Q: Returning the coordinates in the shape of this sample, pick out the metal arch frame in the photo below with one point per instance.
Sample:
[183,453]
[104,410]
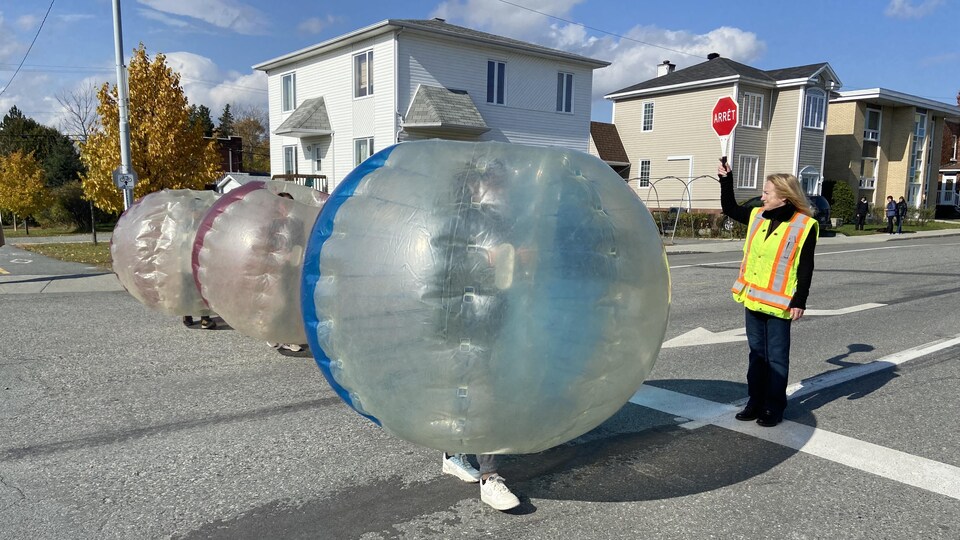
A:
[685,195]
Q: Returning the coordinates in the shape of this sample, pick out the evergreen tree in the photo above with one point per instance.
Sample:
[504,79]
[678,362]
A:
[200,115]
[54,151]
[225,122]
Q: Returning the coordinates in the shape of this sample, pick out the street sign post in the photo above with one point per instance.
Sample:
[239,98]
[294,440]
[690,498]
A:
[724,117]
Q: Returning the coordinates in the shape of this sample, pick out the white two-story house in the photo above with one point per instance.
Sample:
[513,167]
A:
[334,104]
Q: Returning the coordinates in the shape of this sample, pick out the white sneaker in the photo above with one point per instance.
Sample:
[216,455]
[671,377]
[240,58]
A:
[495,492]
[292,347]
[458,466]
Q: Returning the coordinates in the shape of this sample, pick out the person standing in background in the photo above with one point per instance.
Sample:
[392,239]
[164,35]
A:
[901,214]
[863,207]
[891,213]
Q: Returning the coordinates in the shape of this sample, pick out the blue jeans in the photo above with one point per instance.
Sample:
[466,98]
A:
[487,462]
[769,341]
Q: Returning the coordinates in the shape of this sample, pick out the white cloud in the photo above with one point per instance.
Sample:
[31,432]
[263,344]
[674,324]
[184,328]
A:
[905,9]
[228,14]
[205,84]
[634,55]
[163,18]
[28,23]
[315,25]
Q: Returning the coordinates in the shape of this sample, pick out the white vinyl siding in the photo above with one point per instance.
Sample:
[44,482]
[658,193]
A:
[751,107]
[747,172]
[363,74]
[647,124]
[814,109]
[564,92]
[288,96]
[529,116]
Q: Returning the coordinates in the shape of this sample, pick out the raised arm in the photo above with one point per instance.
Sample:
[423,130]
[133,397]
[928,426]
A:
[728,203]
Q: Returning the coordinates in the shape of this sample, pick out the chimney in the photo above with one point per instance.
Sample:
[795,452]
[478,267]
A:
[713,55]
[665,68]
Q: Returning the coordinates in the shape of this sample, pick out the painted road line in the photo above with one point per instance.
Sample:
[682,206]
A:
[885,462]
[840,376]
[2,271]
[841,311]
[702,336]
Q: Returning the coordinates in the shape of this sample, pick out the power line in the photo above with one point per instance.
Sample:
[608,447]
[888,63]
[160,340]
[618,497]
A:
[28,48]
[600,30]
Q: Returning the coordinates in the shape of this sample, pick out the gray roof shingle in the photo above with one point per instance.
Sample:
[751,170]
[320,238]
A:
[438,107]
[723,68]
[310,118]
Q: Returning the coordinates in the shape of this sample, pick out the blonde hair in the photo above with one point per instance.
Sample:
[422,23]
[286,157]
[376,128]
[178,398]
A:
[788,187]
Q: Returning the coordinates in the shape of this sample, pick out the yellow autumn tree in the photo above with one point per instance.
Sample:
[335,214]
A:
[166,151]
[22,189]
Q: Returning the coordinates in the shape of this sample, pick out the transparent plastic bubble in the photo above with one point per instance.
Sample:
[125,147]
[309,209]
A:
[485,297]
[248,255]
[151,249]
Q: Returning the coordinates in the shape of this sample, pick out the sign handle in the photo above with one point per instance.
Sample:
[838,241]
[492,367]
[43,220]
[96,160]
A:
[724,140]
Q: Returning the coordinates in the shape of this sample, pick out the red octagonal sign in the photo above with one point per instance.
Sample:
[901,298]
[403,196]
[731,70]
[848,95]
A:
[725,116]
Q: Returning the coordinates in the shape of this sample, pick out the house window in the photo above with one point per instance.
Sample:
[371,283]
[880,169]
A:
[871,125]
[747,172]
[317,160]
[751,106]
[643,180]
[954,156]
[363,74]
[647,116]
[868,173]
[916,147]
[288,92]
[564,92]
[815,108]
[290,159]
[362,149]
[496,72]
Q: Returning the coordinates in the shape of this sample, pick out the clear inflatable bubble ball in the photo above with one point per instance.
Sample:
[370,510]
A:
[151,249]
[248,255]
[485,297]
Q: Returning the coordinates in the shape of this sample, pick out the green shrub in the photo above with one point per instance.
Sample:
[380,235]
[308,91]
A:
[843,203]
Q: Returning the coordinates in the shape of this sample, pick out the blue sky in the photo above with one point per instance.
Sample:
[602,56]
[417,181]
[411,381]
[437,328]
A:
[901,45]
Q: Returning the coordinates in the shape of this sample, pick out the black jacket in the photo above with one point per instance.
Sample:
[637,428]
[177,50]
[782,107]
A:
[863,207]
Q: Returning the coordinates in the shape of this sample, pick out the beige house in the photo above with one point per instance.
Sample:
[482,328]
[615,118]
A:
[665,125]
[887,143]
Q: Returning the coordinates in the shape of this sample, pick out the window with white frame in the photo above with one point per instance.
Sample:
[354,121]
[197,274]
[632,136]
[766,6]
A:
[814,109]
[747,171]
[916,147]
[496,75]
[647,116]
[317,159]
[751,107]
[953,157]
[643,181]
[868,173]
[363,74]
[564,92]
[290,159]
[871,125]
[288,92]
[362,149]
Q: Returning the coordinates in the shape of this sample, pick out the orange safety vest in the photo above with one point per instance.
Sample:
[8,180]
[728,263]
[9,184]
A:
[768,273]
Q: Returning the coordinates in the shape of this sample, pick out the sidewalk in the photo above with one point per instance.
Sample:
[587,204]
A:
[693,245]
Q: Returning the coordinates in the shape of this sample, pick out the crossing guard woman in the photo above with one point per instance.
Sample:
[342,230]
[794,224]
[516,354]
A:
[773,284]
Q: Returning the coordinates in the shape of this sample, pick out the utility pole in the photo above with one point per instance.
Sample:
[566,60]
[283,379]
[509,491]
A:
[124,177]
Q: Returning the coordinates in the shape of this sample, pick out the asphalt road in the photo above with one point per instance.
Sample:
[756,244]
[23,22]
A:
[118,422]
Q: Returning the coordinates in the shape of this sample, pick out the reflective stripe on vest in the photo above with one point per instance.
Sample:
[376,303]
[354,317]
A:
[771,290]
